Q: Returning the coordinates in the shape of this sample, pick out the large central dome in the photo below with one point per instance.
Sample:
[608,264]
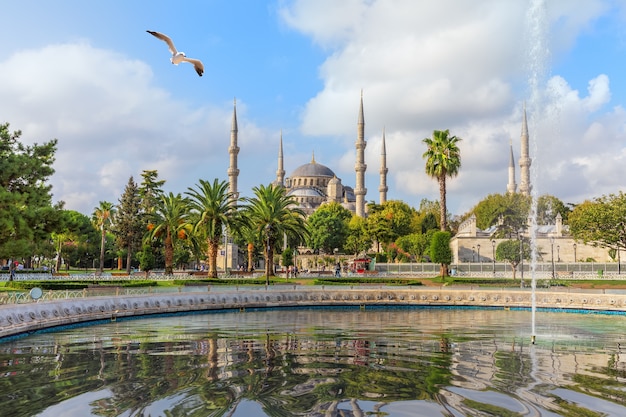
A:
[312,169]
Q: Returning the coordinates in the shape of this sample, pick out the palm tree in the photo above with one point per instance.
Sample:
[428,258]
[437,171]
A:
[213,208]
[272,214]
[443,159]
[102,219]
[168,222]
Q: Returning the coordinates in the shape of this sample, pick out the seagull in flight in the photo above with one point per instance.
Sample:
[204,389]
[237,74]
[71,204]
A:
[178,57]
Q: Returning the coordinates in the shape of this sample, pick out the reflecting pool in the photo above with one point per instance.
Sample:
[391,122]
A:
[322,362]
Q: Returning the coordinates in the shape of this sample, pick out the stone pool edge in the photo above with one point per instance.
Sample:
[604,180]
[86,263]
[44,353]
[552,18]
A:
[18,319]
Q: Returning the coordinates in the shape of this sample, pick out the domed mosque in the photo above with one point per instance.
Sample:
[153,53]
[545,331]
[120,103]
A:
[313,184]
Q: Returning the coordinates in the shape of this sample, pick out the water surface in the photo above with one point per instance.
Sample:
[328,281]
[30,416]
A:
[322,362]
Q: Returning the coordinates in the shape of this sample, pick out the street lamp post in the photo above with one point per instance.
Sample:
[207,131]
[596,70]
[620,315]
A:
[558,253]
[479,260]
[473,252]
[521,257]
[493,254]
[574,253]
[552,252]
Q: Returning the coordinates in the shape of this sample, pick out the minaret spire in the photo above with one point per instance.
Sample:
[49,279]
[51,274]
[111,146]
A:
[360,191]
[382,189]
[524,161]
[233,151]
[511,187]
[280,172]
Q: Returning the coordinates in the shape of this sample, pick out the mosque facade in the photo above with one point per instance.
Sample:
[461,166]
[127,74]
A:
[314,184]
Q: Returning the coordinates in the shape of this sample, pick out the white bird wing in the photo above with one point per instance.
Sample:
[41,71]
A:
[197,64]
[165,39]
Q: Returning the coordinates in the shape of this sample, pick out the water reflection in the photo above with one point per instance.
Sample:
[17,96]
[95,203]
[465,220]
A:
[341,362]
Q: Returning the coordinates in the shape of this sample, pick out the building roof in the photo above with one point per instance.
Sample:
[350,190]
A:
[305,192]
[312,169]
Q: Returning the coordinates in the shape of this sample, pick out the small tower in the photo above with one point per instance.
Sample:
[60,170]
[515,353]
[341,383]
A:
[360,191]
[524,160]
[334,190]
[233,151]
[280,172]
[382,189]
[511,187]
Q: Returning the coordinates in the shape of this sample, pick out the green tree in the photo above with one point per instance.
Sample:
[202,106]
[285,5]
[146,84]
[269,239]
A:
[213,210]
[76,242]
[169,223]
[273,214]
[548,207]
[426,217]
[147,261]
[245,236]
[102,219]
[27,216]
[509,212]
[440,251]
[150,191]
[379,225]
[511,252]
[400,216]
[358,239]
[328,227]
[415,244]
[287,257]
[443,159]
[600,222]
[129,225]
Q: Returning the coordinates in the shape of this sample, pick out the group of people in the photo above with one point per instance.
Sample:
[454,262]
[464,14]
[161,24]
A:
[292,271]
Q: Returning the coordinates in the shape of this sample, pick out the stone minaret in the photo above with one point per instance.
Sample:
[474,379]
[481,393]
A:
[280,172]
[511,187]
[382,188]
[233,151]
[524,160]
[360,166]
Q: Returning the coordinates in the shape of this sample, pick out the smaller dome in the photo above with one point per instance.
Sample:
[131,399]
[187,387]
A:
[305,192]
[334,181]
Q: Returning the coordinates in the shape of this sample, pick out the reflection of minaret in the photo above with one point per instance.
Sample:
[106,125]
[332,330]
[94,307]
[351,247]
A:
[360,166]
[511,187]
[233,151]
[524,160]
[382,189]
[280,172]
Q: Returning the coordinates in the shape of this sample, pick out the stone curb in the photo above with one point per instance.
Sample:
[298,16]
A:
[17,319]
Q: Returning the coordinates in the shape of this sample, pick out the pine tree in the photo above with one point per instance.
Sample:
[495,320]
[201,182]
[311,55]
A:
[150,192]
[129,226]
[27,216]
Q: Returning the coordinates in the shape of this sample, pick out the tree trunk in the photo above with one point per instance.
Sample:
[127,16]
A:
[169,253]
[269,263]
[213,245]
[250,256]
[128,258]
[442,203]
[442,213]
[102,242]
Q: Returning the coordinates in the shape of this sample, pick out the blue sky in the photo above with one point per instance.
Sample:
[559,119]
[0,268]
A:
[88,74]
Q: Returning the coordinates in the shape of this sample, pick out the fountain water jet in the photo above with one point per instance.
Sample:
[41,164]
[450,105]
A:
[537,56]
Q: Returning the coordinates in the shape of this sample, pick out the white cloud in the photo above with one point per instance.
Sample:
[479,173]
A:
[111,123]
[458,65]
[450,64]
